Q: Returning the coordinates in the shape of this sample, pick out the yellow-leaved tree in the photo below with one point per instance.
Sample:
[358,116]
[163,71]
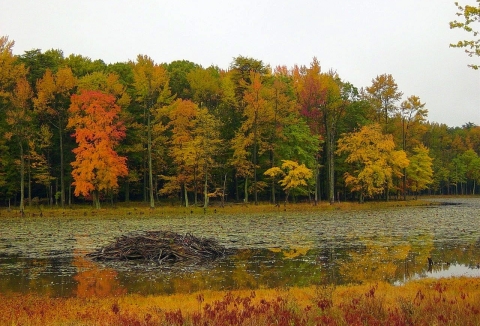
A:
[19,117]
[294,176]
[375,162]
[419,171]
[52,102]
[151,87]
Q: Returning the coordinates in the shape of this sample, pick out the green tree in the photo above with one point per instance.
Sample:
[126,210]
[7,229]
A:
[82,66]
[178,71]
[37,63]
[10,73]
[205,86]
[290,137]
[458,174]
[471,15]
[471,161]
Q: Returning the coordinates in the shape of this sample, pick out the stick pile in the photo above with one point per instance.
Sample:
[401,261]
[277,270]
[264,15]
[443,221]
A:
[160,246]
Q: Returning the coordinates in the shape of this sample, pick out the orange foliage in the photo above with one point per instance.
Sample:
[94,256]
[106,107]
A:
[97,132]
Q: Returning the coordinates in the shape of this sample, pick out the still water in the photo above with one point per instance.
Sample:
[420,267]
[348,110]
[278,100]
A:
[272,249]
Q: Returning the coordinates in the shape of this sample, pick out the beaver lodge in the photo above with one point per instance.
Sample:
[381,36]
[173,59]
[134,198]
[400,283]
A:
[161,247]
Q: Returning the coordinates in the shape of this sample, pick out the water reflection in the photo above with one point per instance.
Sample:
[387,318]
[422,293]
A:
[95,281]
[376,259]
[52,277]
[46,256]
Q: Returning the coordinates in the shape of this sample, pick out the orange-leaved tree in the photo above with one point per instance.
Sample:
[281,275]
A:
[97,166]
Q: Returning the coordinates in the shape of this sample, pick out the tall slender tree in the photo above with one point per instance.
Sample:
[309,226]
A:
[322,103]
[19,118]
[383,95]
[411,111]
[152,92]
[52,101]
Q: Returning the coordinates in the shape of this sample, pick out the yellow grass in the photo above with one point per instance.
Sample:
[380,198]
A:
[425,302]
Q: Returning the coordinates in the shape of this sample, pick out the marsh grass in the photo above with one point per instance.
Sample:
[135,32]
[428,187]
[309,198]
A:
[165,209]
[426,302]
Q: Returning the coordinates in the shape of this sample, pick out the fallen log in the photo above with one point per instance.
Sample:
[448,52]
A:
[160,247]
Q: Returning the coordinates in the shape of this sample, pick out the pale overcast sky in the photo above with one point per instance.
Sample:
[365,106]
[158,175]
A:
[359,39]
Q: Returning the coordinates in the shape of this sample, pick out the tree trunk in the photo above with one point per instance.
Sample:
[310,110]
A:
[62,163]
[223,191]
[329,123]
[245,200]
[255,192]
[195,194]
[330,164]
[404,169]
[185,193]
[22,179]
[29,182]
[237,192]
[255,158]
[96,199]
[127,191]
[150,168]
[316,183]
[274,200]
[69,194]
[205,189]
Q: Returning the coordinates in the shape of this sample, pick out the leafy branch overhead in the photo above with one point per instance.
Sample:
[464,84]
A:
[470,23]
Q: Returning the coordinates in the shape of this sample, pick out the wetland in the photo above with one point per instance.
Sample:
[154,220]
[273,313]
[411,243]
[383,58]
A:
[272,249]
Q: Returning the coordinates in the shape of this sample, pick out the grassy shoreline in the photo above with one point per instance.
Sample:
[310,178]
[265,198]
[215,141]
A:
[142,209]
[454,301]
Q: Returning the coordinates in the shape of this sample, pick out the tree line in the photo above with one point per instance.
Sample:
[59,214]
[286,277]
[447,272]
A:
[76,130]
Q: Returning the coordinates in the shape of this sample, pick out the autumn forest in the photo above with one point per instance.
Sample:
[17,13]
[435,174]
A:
[77,130]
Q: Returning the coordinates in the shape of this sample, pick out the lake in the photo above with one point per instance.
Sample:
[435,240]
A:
[272,249]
